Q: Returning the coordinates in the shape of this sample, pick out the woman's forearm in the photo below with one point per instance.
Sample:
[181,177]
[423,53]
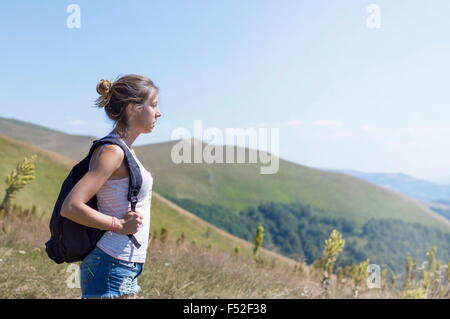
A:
[85,215]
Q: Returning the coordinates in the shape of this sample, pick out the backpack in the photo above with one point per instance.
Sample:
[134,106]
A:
[70,241]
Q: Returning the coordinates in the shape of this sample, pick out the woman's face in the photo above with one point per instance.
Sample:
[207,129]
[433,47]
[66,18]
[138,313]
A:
[145,115]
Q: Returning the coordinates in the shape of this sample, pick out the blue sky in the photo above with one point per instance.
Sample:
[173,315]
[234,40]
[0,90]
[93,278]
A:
[343,95]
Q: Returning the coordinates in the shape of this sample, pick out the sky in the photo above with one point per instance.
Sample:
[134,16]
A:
[352,84]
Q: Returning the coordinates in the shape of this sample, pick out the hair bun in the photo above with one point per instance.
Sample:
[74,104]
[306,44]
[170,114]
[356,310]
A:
[104,87]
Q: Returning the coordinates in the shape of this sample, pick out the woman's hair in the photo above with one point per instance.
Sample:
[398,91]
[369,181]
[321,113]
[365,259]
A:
[115,96]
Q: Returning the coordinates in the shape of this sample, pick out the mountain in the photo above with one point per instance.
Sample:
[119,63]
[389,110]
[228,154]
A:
[441,180]
[298,205]
[417,188]
[46,138]
[238,186]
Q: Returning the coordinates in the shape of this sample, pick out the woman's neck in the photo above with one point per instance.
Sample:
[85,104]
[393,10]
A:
[129,140]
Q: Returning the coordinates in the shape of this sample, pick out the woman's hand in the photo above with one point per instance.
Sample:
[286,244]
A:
[130,223]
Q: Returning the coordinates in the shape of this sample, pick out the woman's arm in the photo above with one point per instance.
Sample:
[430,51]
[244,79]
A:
[74,206]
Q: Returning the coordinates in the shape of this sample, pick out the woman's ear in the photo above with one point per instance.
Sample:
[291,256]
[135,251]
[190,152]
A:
[130,109]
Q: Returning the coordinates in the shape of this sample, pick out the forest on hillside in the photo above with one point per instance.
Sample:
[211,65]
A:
[298,231]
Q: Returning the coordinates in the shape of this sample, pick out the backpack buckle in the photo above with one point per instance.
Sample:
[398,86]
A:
[134,193]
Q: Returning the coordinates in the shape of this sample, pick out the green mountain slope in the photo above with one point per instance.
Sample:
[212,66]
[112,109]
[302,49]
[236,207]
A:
[239,186]
[46,138]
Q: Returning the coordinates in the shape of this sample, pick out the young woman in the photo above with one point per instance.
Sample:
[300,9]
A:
[112,268]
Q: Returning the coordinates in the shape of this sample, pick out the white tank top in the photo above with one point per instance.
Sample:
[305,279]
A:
[112,200]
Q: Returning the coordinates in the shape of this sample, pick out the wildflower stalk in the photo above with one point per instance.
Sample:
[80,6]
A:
[258,240]
[333,246]
[358,274]
[22,175]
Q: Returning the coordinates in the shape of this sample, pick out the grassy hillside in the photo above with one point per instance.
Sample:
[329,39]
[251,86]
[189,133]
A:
[171,271]
[51,169]
[185,270]
[231,186]
[239,186]
[46,138]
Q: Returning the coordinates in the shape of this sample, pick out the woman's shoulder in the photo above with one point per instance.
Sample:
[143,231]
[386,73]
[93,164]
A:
[109,149]
[107,155]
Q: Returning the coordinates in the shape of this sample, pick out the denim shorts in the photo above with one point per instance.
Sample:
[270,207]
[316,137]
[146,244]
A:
[103,276]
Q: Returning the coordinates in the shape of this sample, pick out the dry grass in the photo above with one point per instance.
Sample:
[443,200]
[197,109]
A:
[172,271]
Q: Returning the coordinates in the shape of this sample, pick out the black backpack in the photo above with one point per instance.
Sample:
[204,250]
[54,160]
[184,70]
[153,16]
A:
[70,241]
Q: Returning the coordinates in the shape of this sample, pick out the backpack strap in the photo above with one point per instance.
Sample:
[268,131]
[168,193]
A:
[134,171]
